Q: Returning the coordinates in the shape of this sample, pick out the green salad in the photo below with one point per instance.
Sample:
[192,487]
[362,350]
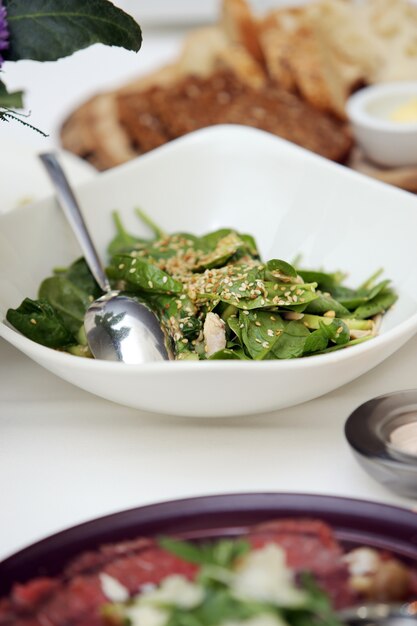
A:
[233,586]
[214,296]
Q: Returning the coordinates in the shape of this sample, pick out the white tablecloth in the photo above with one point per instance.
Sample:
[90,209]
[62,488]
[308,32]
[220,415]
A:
[67,456]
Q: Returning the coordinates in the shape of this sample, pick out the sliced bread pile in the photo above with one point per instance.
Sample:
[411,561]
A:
[289,73]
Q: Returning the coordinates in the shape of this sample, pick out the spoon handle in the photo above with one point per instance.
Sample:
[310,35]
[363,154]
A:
[72,212]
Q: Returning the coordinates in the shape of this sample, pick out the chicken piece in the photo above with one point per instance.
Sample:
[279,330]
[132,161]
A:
[214,334]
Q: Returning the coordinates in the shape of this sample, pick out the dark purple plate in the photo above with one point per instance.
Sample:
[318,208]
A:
[355,522]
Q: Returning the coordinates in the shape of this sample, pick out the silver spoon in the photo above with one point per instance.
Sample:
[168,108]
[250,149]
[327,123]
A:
[118,327]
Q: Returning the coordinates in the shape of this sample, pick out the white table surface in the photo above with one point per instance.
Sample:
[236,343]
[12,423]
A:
[67,456]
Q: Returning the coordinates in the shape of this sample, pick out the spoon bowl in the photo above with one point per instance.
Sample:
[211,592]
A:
[118,327]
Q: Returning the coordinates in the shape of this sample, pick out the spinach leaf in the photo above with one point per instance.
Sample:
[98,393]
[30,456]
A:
[335,331]
[260,331]
[67,299]
[325,281]
[156,230]
[123,241]
[142,275]
[229,354]
[379,304]
[290,344]
[79,274]
[324,303]
[267,336]
[38,320]
[279,269]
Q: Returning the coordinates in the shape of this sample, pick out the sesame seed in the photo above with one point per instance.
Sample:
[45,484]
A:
[150,283]
[121,266]
[33,321]
[270,332]
[258,324]
[330,314]
[258,340]
[272,317]
[265,344]
[165,279]
[132,270]
[245,312]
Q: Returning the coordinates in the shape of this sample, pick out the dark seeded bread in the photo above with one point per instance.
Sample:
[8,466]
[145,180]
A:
[160,114]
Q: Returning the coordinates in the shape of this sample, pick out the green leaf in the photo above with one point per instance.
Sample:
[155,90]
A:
[141,275]
[10,100]
[290,344]
[324,303]
[379,304]
[46,30]
[79,274]
[228,354]
[123,241]
[156,230]
[279,268]
[324,280]
[38,320]
[261,330]
[67,299]
[222,553]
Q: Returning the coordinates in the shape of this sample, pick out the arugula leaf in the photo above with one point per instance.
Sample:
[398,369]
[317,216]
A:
[222,553]
[46,30]
[38,320]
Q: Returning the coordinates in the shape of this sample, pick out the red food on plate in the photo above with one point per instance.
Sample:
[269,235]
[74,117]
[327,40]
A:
[77,596]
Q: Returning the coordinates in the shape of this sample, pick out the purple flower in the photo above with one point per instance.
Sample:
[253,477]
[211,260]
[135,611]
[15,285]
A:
[4,31]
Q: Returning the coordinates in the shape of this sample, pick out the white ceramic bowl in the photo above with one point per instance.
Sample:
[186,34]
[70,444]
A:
[386,142]
[290,199]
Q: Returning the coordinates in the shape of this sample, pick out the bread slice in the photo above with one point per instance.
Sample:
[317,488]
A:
[276,36]
[197,102]
[94,133]
[241,27]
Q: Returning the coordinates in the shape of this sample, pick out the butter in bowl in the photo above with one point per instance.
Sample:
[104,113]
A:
[384,122]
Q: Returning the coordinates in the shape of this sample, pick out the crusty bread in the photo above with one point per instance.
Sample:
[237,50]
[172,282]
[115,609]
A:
[93,132]
[197,102]
[289,73]
[315,73]
[276,36]
[241,27]
[302,55]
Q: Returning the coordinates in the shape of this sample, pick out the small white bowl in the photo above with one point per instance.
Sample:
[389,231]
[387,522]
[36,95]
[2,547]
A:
[386,142]
[291,200]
